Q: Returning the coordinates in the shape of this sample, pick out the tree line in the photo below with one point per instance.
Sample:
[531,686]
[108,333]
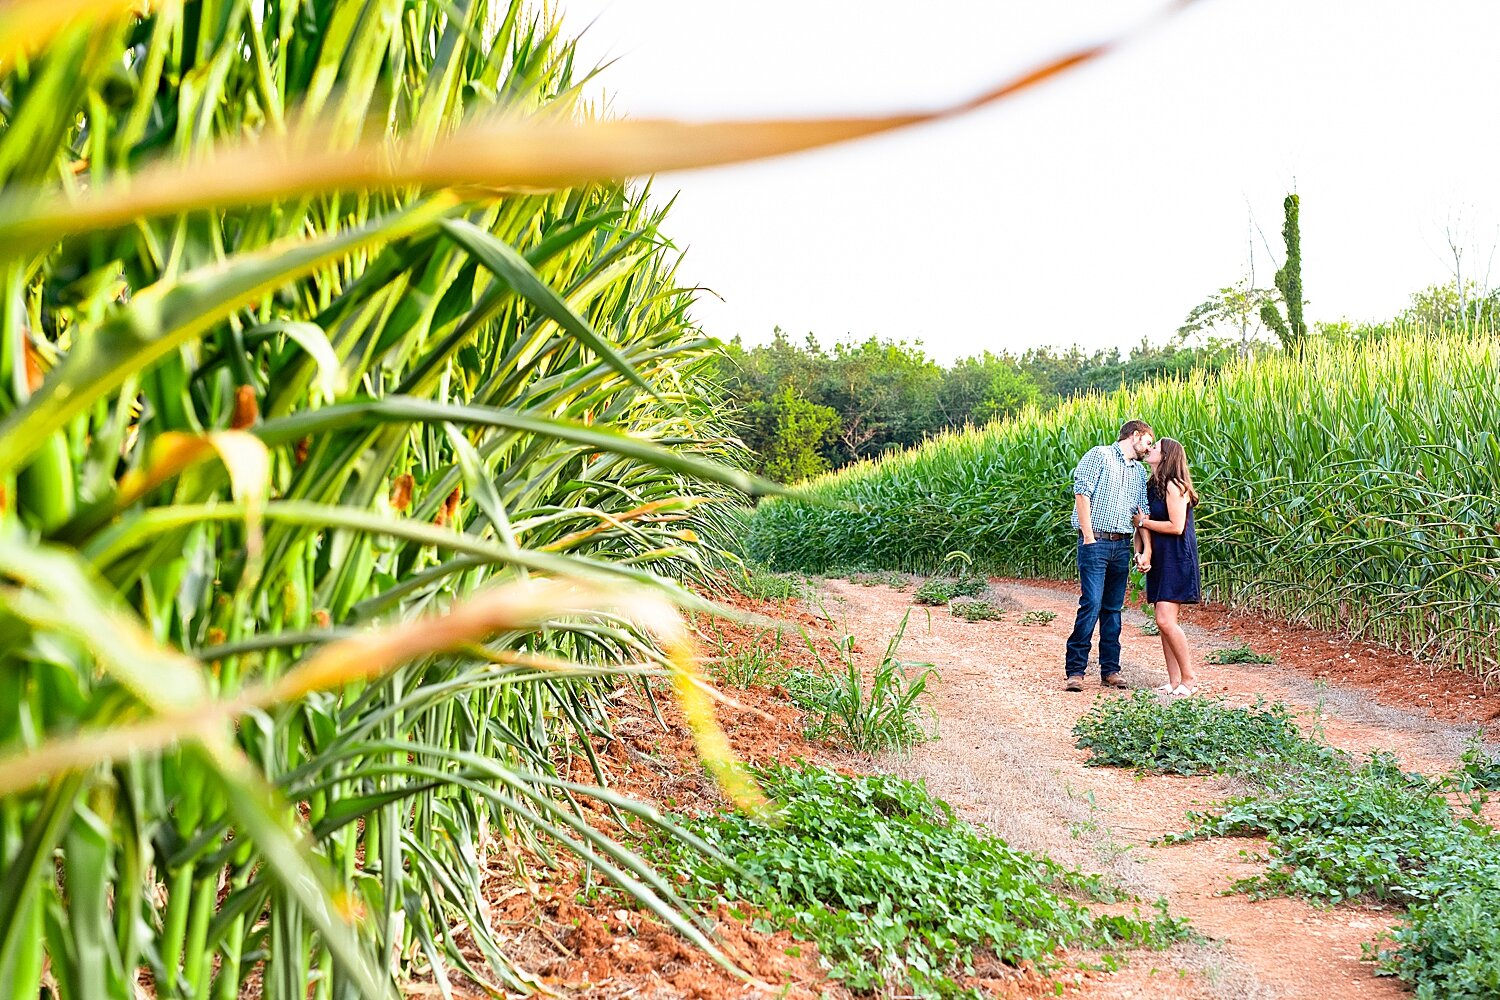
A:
[805,408]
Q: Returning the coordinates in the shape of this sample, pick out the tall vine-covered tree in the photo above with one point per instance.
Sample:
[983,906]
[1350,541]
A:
[1291,330]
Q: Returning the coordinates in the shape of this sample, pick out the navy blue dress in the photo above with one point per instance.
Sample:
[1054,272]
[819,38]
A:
[1174,572]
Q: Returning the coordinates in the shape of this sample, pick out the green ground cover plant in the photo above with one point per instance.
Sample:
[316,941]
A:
[974,609]
[1351,487]
[1479,767]
[1038,617]
[1187,735]
[899,895]
[1237,654]
[1338,828]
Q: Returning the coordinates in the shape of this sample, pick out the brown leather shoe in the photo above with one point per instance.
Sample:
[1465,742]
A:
[1074,684]
[1113,681]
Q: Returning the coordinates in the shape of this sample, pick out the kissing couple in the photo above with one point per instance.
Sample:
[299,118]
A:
[1124,513]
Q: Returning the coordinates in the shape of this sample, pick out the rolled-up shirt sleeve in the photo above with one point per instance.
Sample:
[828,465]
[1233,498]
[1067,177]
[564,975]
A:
[1142,501]
[1086,476]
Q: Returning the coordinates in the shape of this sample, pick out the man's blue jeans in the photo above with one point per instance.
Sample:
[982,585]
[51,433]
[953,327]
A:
[1103,572]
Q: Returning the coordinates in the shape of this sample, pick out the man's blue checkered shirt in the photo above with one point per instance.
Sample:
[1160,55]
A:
[1115,486]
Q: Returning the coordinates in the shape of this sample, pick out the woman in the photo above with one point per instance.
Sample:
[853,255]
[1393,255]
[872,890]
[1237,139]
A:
[1171,555]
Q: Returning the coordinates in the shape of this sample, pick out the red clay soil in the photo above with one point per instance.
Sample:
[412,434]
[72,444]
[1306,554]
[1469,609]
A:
[596,944]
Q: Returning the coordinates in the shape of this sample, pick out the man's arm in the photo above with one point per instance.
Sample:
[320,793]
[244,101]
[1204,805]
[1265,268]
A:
[1085,481]
[1085,523]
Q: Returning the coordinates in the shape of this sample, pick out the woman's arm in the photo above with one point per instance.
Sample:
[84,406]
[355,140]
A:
[1143,550]
[1177,505]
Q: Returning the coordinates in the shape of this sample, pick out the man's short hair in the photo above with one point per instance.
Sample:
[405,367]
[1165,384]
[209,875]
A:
[1133,427]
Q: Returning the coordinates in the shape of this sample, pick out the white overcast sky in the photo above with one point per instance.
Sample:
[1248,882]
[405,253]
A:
[1096,209]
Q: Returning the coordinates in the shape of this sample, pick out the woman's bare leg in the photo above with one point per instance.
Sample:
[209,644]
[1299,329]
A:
[1172,635]
[1168,651]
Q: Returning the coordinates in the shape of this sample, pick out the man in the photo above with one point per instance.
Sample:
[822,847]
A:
[1109,486]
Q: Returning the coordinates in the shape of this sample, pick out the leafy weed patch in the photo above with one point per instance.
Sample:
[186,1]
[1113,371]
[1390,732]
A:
[1186,735]
[882,578]
[898,894]
[1038,618]
[973,609]
[1338,828]
[1238,654]
[942,589]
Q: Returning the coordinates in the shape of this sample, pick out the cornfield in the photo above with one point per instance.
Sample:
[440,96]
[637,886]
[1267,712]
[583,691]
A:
[328,514]
[1357,489]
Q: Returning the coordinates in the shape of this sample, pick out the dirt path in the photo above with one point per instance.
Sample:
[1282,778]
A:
[1005,757]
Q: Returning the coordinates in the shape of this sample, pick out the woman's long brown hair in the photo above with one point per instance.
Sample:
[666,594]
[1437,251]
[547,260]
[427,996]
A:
[1173,468]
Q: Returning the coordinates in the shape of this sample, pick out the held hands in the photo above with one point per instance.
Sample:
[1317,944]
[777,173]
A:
[1143,562]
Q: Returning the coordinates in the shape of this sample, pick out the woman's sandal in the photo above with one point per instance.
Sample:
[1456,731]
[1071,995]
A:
[1164,689]
[1183,691]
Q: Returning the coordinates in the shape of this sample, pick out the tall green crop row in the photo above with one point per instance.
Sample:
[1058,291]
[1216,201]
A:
[1354,488]
[245,449]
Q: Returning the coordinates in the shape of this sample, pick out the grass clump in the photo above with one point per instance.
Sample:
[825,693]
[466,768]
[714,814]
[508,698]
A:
[899,895]
[763,586]
[1186,735]
[973,609]
[869,718]
[749,665]
[1237,654]
[1038,618]
[1338,828]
